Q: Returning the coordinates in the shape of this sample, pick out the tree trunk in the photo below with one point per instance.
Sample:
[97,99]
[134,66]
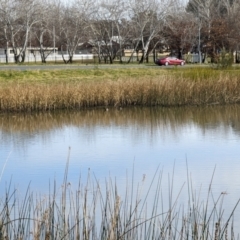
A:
[6,53]
[133,52]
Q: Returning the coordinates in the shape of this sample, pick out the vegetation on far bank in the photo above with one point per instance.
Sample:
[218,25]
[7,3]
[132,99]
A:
[43,90]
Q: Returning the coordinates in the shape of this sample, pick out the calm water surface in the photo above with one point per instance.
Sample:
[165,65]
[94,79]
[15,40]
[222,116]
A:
[114,144]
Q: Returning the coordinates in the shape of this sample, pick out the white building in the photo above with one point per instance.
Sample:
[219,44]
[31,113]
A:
[33,55]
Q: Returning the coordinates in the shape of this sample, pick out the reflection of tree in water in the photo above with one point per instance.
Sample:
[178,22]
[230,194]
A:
[147,118]
[235,124]
[219,116]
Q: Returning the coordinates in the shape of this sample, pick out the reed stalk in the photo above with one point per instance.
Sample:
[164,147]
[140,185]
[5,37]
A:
[92,212]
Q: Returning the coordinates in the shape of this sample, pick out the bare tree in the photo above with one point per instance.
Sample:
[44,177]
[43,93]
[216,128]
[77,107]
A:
[71,26]
[108,28]
[215,17]
[120,32]
[42,34]
[230,13]
[102,40]
[147,19]
[19,17]
[181,32]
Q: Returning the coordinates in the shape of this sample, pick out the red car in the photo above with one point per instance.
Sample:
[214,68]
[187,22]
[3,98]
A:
[170,61]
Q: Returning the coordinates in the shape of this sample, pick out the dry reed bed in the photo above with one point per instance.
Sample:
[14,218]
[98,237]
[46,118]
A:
[166,90]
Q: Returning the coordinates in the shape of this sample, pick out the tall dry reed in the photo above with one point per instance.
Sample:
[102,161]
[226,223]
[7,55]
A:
[165,90]
[93,212]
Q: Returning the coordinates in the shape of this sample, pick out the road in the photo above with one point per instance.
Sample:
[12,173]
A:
[81,66]
[70,66]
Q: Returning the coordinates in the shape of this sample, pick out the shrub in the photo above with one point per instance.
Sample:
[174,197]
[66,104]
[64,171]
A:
[223,60]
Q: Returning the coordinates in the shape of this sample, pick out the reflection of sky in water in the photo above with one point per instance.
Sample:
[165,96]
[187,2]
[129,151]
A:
[113,149]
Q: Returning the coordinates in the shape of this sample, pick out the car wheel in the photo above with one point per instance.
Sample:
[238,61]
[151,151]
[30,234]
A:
[182,63]
[166,63]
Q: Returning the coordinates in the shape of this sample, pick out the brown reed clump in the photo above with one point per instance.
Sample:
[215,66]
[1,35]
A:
[162,90]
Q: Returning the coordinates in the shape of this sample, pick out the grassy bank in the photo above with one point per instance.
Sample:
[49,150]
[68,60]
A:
[76,89]
[93,211]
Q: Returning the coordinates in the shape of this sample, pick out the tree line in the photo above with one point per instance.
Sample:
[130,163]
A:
[110,26]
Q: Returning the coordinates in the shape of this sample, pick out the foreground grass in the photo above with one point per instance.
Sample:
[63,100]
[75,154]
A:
[76,89]
[91,212]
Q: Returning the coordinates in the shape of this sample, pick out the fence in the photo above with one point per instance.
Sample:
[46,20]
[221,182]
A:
[191,58]
[51,58]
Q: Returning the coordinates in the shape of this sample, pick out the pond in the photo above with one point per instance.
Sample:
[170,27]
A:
[192,147]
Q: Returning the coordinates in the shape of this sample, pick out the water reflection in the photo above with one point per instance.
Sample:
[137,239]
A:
[148,119]
[35,146]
